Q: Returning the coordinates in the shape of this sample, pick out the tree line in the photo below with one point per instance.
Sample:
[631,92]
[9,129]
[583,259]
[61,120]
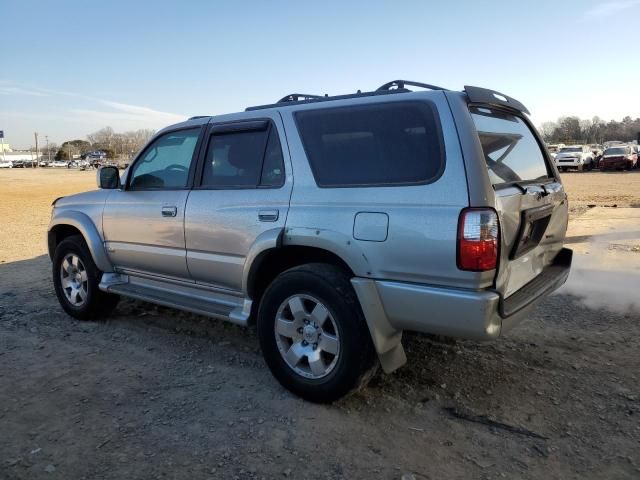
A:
[577,131]
[115,145]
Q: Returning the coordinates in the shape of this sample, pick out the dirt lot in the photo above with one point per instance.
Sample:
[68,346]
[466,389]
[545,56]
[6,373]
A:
[154,393]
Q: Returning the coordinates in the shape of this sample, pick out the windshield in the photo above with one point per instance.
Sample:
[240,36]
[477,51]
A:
[570,149]
[616,151]
[510,149]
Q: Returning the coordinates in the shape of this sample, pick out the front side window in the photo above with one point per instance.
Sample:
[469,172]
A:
[385,144]
[244,159]
[510,150]
[165,163]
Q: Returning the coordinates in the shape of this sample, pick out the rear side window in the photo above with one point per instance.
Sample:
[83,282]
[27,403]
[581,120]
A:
[510,149]
[373,145]
[245,159]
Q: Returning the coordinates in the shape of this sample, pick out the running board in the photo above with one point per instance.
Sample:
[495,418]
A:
[187,297]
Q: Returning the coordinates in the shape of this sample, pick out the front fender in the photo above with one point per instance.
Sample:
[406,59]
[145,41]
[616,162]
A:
[89,231]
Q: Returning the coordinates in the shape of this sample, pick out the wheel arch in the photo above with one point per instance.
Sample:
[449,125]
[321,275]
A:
[70,223]
[271,262]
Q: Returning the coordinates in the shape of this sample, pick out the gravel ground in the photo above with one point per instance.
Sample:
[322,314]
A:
[155,393]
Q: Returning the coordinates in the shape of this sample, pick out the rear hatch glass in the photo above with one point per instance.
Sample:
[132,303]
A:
[510,149]
[530,201]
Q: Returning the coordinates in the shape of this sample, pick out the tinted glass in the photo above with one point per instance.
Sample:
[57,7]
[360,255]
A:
[166,163]
[510,149]
[273,166]
[234,159]
[382,144]
[244,159]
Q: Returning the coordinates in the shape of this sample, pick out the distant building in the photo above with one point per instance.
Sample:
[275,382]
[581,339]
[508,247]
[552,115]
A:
[21,156]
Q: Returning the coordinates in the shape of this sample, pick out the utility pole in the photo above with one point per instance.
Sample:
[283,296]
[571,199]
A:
[4,159]
[35,134]
[48,151]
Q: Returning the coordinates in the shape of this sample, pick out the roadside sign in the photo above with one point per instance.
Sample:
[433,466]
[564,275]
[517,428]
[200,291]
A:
[1,133]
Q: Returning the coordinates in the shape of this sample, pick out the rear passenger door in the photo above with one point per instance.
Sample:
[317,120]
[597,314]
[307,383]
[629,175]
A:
[241,197]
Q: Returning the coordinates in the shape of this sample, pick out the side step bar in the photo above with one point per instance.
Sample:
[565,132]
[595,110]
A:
[188,297]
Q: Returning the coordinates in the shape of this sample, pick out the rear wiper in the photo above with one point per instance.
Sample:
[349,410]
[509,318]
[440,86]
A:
[514,183]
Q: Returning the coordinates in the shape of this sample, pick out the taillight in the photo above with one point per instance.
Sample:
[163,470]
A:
[478,239]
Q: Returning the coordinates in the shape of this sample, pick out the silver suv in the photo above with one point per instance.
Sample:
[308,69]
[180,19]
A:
[333,224]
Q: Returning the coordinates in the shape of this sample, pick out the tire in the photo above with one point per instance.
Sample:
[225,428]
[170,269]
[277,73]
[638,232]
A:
[590,166]
[78,292]
[333,376]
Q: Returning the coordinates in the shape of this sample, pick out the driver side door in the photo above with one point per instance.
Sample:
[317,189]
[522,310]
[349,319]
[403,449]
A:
[143,223]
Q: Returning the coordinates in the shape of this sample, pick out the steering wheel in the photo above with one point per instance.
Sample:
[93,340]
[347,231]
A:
[176,166]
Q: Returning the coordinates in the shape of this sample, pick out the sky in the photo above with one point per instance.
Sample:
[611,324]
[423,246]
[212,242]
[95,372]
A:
[68,68]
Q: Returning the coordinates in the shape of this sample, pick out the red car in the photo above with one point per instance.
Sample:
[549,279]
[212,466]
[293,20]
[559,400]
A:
[618,157]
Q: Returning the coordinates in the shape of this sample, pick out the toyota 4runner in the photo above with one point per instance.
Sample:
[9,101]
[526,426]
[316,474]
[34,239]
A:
[332,223]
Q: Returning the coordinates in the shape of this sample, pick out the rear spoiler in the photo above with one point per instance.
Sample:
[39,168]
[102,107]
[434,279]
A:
[493,98]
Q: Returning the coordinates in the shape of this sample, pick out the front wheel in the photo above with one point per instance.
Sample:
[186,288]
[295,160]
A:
[313,334]
[76,279]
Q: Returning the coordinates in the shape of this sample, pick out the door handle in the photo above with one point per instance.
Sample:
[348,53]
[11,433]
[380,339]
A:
[169,211]
[271,215]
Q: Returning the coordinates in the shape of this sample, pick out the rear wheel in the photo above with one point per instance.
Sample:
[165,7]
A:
[76,279]
[313,334]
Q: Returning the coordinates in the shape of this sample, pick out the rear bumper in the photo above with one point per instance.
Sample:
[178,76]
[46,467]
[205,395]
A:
[460,313]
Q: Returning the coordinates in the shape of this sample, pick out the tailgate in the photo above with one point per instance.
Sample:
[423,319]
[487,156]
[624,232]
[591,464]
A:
[529,197]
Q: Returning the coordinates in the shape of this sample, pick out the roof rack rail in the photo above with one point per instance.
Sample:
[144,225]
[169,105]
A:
[296,97]
[386,89]
[199,116]
[400,85]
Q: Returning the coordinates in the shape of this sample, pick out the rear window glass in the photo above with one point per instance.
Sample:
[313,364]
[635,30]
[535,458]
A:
[372,145]
[510,149]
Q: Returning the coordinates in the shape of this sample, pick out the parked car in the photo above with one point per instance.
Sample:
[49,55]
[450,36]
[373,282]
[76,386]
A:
[43,163]
[59,164]
[619,157]
[5,163]
[331,223]
[79,163]
[18,163]
[574,156]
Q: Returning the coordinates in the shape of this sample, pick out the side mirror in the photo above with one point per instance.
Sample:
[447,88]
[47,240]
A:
[108,178]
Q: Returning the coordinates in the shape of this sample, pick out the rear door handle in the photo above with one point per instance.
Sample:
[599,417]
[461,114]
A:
[169,211]
[270,215]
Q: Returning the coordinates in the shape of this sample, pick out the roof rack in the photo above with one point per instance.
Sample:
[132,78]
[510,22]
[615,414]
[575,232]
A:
[400,85]
[198,116]
[296,97]
[396,86]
